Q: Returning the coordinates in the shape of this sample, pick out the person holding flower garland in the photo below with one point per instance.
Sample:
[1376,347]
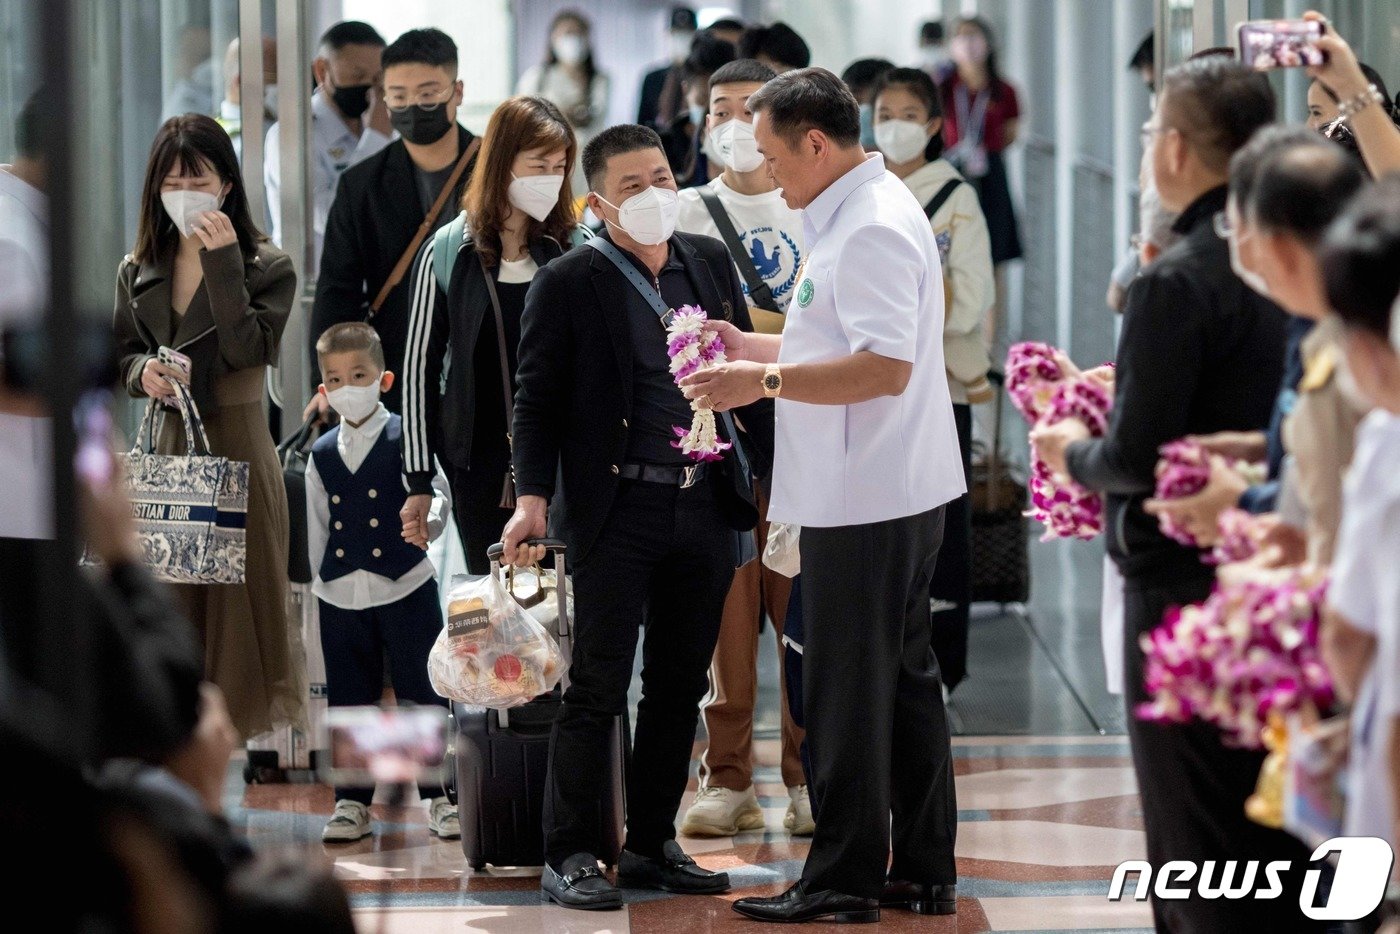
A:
[867,461]
[1200,352]
[650,528]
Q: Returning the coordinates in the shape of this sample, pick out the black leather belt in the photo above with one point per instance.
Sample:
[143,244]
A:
[683,477]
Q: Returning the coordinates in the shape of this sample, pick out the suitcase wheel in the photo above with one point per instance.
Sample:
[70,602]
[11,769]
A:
[478,865]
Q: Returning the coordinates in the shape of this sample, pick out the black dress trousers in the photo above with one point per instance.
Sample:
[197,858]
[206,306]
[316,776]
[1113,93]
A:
[877,732]
[1193,788]
[664,561]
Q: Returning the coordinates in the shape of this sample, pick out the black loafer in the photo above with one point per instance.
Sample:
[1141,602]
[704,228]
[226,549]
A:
[796,905]
[919,898]
[673,871]
[579,883]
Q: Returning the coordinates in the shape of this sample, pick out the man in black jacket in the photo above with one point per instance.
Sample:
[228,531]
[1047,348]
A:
[650,531]
[382,202]
[1200,352]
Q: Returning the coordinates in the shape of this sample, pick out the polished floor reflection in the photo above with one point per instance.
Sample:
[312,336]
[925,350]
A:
[1047,805]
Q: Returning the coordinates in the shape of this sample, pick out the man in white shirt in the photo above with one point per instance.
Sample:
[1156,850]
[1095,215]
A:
[866,457]
[25,464]
[764,236]
[349,123]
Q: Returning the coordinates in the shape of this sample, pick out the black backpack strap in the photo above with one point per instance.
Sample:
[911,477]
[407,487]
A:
[941,197]
[758,289]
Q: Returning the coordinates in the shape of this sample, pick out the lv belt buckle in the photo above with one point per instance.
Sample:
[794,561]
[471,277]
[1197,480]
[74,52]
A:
[688,476]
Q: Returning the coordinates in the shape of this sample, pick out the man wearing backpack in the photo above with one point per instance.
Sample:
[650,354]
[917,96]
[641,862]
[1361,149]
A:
[744,208]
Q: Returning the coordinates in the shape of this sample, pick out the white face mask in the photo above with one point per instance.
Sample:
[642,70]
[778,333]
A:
[711,150]
[184,207]
[270,100]
[901,140]
[1248,276]
[736,145]
[570,48]
[649,217]
[355,403]
[680,45]
[536,195]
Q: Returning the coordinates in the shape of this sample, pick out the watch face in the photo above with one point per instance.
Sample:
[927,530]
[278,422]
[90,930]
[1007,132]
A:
[772,381]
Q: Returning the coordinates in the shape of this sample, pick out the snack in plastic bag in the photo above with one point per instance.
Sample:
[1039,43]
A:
[492,652]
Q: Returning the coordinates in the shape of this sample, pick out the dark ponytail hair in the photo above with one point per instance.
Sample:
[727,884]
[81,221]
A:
[917,82]
[194,142]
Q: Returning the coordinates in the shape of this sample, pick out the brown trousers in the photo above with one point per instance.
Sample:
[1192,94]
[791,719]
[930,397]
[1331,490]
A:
[727,761]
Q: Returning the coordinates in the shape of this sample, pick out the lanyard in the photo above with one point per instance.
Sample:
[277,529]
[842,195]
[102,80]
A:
[653,298]
[971,118]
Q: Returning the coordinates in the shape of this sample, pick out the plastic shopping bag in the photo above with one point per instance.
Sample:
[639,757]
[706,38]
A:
[492,652]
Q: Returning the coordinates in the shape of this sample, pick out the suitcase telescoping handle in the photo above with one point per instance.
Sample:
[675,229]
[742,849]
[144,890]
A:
[557,548]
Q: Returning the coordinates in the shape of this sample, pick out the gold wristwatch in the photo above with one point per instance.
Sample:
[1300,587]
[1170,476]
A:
[773,381]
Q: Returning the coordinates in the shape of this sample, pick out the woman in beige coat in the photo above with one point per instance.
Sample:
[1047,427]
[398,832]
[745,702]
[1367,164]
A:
[204,282]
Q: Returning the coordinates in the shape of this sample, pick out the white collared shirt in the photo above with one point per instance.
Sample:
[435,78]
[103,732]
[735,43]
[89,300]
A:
[360,590]
[871,281]
[333,150]
[26,466]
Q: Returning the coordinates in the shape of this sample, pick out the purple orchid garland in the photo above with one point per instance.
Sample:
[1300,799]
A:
[1251,649]
[691,349]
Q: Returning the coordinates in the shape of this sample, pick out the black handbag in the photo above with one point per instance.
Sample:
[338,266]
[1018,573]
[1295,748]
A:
[1000,531]
[294,452]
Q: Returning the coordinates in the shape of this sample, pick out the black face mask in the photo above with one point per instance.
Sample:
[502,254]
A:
[421,127]
[352,101]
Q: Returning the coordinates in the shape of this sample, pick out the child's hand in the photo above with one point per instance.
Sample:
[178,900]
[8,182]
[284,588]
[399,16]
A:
[414,516]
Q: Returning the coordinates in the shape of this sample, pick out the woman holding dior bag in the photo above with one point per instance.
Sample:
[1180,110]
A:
[204,289]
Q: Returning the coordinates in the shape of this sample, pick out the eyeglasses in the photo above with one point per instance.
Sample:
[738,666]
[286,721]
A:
[1148,131]
[428,100]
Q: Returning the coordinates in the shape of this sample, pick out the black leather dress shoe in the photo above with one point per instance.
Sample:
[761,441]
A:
[673,871]
[579,883]
[923,899]
[798,905]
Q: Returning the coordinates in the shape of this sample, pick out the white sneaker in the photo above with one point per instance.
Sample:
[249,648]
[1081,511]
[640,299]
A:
[722,812]
[442,819]
[798,819]
[349,823]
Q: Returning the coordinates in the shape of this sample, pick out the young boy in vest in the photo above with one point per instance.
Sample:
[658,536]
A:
[374,583]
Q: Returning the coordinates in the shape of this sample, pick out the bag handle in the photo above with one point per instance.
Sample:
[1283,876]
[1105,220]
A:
[507,390]
[197,441]
[401,267]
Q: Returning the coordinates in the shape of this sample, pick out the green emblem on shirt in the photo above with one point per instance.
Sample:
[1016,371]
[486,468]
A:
[804,293]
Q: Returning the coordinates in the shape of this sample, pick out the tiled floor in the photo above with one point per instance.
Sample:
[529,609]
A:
[1045,788]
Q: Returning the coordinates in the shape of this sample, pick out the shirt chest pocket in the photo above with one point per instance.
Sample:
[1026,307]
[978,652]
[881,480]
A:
[814,285]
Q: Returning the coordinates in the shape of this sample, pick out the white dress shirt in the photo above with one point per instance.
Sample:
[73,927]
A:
[871,281]
[26,465]
[360,590]
[333,150]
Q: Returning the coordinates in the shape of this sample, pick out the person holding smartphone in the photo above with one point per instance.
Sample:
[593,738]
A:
[204,282]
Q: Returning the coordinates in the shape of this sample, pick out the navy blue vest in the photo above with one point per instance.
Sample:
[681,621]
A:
[365,528]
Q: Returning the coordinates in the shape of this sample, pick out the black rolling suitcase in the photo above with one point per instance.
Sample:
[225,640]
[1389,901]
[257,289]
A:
[502,757]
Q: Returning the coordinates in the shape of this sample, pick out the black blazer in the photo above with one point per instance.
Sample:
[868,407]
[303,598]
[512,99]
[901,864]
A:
[1200,352]
[574,400]
[440,422]
[234,321]
[372,219]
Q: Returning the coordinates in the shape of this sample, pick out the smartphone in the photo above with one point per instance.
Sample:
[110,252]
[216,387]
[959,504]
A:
[1266,44]
[174,359]
[397,745]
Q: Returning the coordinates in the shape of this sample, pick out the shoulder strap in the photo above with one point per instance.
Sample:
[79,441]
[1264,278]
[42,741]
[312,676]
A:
[658,305]
[941,197]
[447,242]
[401,267]
[508,392]
[758,289]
